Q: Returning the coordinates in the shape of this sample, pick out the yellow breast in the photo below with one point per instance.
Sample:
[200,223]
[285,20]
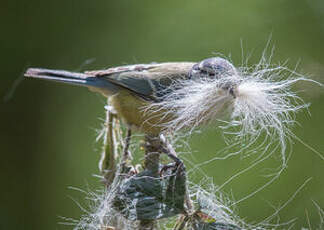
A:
[134,111]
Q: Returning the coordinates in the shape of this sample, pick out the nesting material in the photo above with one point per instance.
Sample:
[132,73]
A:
[249,104]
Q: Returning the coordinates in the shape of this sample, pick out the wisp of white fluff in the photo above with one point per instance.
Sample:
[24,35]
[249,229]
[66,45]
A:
[263,104]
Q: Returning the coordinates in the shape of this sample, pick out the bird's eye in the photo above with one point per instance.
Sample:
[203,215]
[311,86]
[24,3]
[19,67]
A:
[203,71]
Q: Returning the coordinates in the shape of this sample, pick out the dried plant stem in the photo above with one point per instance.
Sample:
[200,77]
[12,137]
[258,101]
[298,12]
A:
[189,203]
[152,154]
[126,152]
[107,162]
[151,163]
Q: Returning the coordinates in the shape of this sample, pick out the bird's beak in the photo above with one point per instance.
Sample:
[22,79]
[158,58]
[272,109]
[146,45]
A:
[232,91]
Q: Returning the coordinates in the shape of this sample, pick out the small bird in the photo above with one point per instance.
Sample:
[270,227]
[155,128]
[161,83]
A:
[163,98]
[132,88]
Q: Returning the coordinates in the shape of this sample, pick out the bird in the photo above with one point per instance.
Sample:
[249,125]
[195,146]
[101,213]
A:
[134,87]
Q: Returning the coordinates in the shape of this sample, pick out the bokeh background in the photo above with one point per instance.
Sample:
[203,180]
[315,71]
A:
[48,130]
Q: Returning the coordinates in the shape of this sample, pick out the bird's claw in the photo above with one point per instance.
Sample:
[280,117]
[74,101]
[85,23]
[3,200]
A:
[175,166]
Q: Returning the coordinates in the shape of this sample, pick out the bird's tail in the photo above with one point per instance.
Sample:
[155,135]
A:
[73,78]
[59,76]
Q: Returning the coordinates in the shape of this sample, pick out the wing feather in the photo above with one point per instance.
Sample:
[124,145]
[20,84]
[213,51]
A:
[148,81]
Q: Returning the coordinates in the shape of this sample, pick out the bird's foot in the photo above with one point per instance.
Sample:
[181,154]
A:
[173,167]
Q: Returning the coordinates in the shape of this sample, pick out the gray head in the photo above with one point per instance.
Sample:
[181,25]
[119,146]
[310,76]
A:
[214,67]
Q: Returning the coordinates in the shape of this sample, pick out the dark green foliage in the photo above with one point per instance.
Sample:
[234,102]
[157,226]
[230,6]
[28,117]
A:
[143,197]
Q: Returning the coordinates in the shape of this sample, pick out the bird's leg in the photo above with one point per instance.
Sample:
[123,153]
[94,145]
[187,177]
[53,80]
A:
[169,150]
[171,153]
[167,167]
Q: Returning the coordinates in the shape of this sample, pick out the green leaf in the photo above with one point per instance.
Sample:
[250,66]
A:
[144,197]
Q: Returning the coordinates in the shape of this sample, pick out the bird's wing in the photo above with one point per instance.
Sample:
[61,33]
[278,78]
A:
[149,81]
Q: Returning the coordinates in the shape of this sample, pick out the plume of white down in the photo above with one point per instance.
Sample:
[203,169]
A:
[263,105]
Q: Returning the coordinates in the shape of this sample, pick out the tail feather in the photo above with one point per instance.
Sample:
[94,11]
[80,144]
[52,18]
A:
[60,76]
[73,78]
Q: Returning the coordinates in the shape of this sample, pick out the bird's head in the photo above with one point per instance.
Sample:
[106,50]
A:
[216,68]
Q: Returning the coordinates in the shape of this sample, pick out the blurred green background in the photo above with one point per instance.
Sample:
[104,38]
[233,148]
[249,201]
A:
[48,130]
